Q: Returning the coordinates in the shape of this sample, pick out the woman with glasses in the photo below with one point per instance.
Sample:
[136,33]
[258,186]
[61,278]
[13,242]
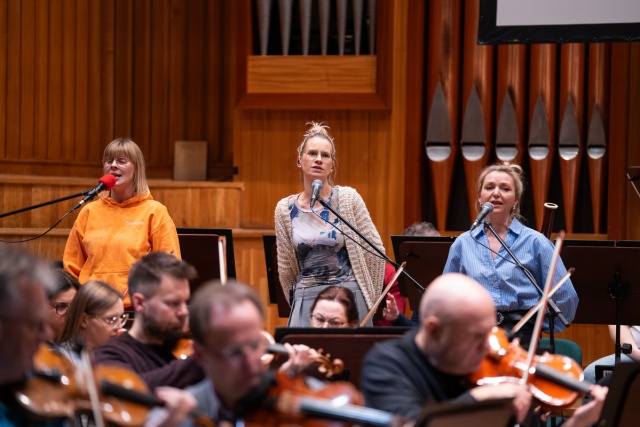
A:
[315,249]
[335,307]
[112,233]
[60,296]
[96,315]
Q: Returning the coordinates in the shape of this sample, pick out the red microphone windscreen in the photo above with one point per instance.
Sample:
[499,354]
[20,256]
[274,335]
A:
[108,180]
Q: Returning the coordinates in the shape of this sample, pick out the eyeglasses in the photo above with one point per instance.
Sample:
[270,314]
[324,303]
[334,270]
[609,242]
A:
[61,308]
[119,320]
[313,154]
[122,161]
[235,354]
[318,321]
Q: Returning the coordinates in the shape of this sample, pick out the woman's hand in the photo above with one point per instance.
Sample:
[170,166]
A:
[390,312]
[300,357]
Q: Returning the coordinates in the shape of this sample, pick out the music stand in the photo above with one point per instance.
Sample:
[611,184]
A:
[228,235]
[621,407]
[605,274]
[276,294]
[347,344]
[199,247]
[485,413]
[425,258]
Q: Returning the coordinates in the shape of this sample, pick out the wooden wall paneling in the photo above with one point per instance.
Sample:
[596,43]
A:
[27,79]
[389,133]
[542,121]
[251,270]
[477,75]
[217,78]
[41,101]
[123,67]
[81,90]
[107,65]
[196,77]
[4,59]
[160,72]
[176,71]
[618,135]
[14,80]
[141,75]
[510,81]
[443,68]
[90,147]
[597,108]
[571,102]
[69,45]
[415,170]
[54,84]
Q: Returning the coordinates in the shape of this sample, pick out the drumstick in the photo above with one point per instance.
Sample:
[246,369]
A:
[383,294]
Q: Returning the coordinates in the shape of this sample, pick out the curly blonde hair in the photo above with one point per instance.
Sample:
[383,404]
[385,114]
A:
[320,130]
[515,172]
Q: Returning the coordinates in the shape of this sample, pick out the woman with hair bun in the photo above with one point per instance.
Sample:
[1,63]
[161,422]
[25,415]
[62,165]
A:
[315,249]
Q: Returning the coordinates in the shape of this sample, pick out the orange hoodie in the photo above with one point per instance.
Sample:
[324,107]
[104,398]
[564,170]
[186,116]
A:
[108,237]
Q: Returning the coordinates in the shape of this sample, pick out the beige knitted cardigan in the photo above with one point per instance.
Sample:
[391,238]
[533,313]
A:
[368,268]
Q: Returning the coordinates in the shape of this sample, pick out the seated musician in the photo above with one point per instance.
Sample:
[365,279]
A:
[628,334]
[96,315]
[227,323]
[23,323]
[334,307]
[60,296]
[393,313]
[159,290]
[431,364]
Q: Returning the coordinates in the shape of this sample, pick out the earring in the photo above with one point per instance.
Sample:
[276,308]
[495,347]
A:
[298,162]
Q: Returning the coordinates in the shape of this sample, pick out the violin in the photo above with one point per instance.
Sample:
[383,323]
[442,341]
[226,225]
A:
[309,402]
[555,380]
[59,390]
[329,368]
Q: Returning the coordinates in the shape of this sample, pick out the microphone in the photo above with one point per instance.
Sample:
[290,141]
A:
[317,186]
[105,183]
[487,208]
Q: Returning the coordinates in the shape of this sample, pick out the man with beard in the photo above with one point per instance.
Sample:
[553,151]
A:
[159,290]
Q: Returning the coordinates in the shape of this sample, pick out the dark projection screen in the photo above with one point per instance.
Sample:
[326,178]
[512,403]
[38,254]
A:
[558,21]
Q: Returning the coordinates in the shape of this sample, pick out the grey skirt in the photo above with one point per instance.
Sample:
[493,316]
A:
[303,299]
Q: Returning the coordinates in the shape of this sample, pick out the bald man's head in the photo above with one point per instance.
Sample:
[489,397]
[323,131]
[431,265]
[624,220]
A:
[456,315]
[454,295]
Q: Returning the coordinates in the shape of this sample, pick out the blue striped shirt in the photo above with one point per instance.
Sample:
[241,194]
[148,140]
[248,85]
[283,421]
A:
[509,287]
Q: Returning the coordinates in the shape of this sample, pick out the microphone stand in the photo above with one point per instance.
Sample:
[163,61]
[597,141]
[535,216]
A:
[554,310]
[374,247]
[40,205]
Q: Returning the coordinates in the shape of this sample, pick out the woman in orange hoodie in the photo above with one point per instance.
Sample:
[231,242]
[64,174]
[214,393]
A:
[126,223]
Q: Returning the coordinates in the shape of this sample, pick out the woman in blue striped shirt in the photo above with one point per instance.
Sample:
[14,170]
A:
[479,254]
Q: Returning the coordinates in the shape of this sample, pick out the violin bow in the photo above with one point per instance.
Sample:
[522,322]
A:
[86,367]
[383,294]
[536,307]
[543,305]
[222,259]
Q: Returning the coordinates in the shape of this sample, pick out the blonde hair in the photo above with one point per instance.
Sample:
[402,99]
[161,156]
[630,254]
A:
[515,172]
[125,147]
[320,130]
